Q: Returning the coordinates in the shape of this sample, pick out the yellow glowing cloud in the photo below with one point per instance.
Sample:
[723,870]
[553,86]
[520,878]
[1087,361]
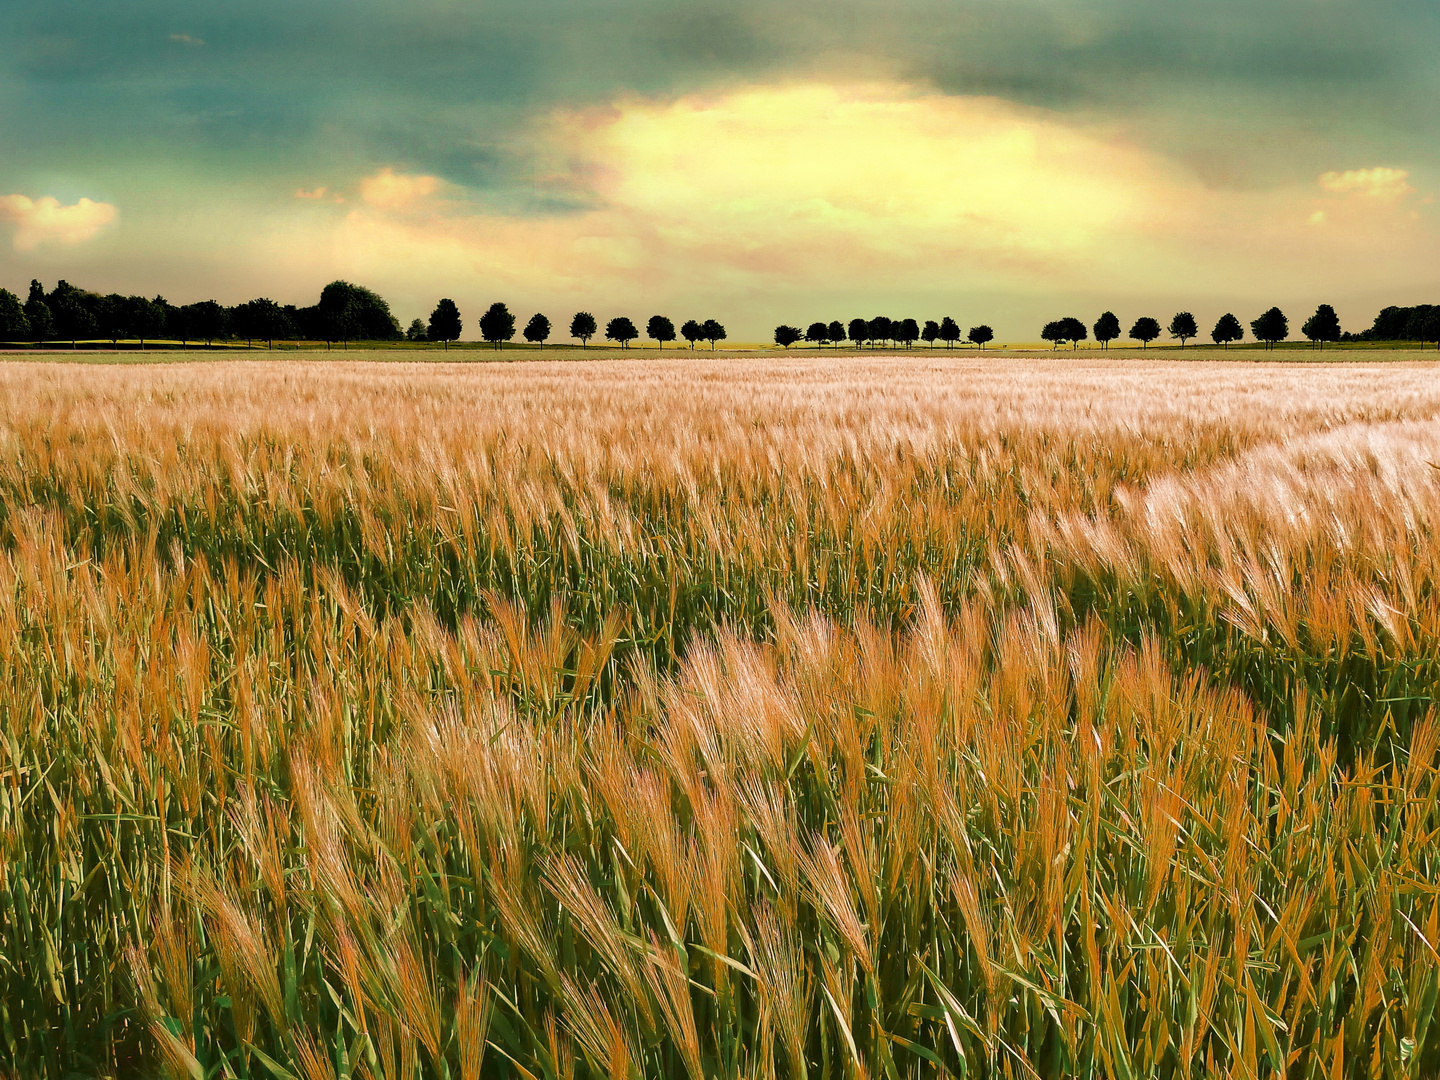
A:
[780,175]
[45,221]
[389,190]
[817,188]
[1380,182]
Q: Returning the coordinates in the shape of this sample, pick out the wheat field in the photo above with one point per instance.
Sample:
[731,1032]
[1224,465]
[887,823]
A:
[872,717]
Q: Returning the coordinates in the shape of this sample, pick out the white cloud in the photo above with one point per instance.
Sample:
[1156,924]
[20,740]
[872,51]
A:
[187,39]
[46,221]
[1379,182]
[389,190]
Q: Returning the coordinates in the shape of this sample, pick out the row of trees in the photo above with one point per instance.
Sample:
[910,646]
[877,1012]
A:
[874,332]
[1271,327]
[347,312]
[497,326]
[1419,323]
[344,313]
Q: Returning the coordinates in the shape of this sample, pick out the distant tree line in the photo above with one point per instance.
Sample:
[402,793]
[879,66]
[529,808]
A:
[497,326]
[344,313]
[1420,323]
[881,330]
[1270,328]
[347,312]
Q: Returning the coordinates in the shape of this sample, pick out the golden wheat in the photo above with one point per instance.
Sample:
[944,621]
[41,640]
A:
[746,719]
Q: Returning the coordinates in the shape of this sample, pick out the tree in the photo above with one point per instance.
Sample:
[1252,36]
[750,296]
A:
[622,330]
[1227,329]
[836,332]
[1183,326]
[692,332]
[817,332]
[38,314]
[348,311]
[949,331]
[1074,330]
[245,322]
[930,333]
[713,332]
[1271,327]
[144,318]
[268,320]
[445,323]
[1107,329]
[785,336]
[660,329]
[583,326]
[981,334]
[907,331]
[416,331]
[72,319]
[1323,326]
[537,330]
[859,332]
[1053,332]
[208,320]
[881,327]
[1430,330]
[497,325]
[107,312]
[1145,330]
[14,326]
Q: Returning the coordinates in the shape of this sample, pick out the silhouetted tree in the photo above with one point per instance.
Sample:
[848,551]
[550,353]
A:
[1184,327]
[14,326]
[583,326]
[906,331]
[692,332]
[1323,326]
[881,328]
[350,311]
[660,329]
[271,321]
[497,325]
[713,332]
[1053,332]
[107,312]
[208,321]
[1075,331]
[416,331]
[859,332]
[836,332]
[445,323]
[1227,329]
[38,314]
[144,319]
[73,319]
[537,330]
[622,330]
[1107,329]
[817,332]
[785,336]
[981,334]
[930,332]
[1145,330]
[1430,330]
[1271,327]
[949,331]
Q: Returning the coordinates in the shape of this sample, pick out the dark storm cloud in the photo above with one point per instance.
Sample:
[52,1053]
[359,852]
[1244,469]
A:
[445,85]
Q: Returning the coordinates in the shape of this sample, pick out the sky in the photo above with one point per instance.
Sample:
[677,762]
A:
[756,161]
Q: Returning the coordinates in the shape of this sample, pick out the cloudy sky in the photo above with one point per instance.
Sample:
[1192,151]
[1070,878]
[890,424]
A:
[1002,161]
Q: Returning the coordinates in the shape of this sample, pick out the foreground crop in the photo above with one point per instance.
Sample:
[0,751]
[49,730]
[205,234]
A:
[725,720]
